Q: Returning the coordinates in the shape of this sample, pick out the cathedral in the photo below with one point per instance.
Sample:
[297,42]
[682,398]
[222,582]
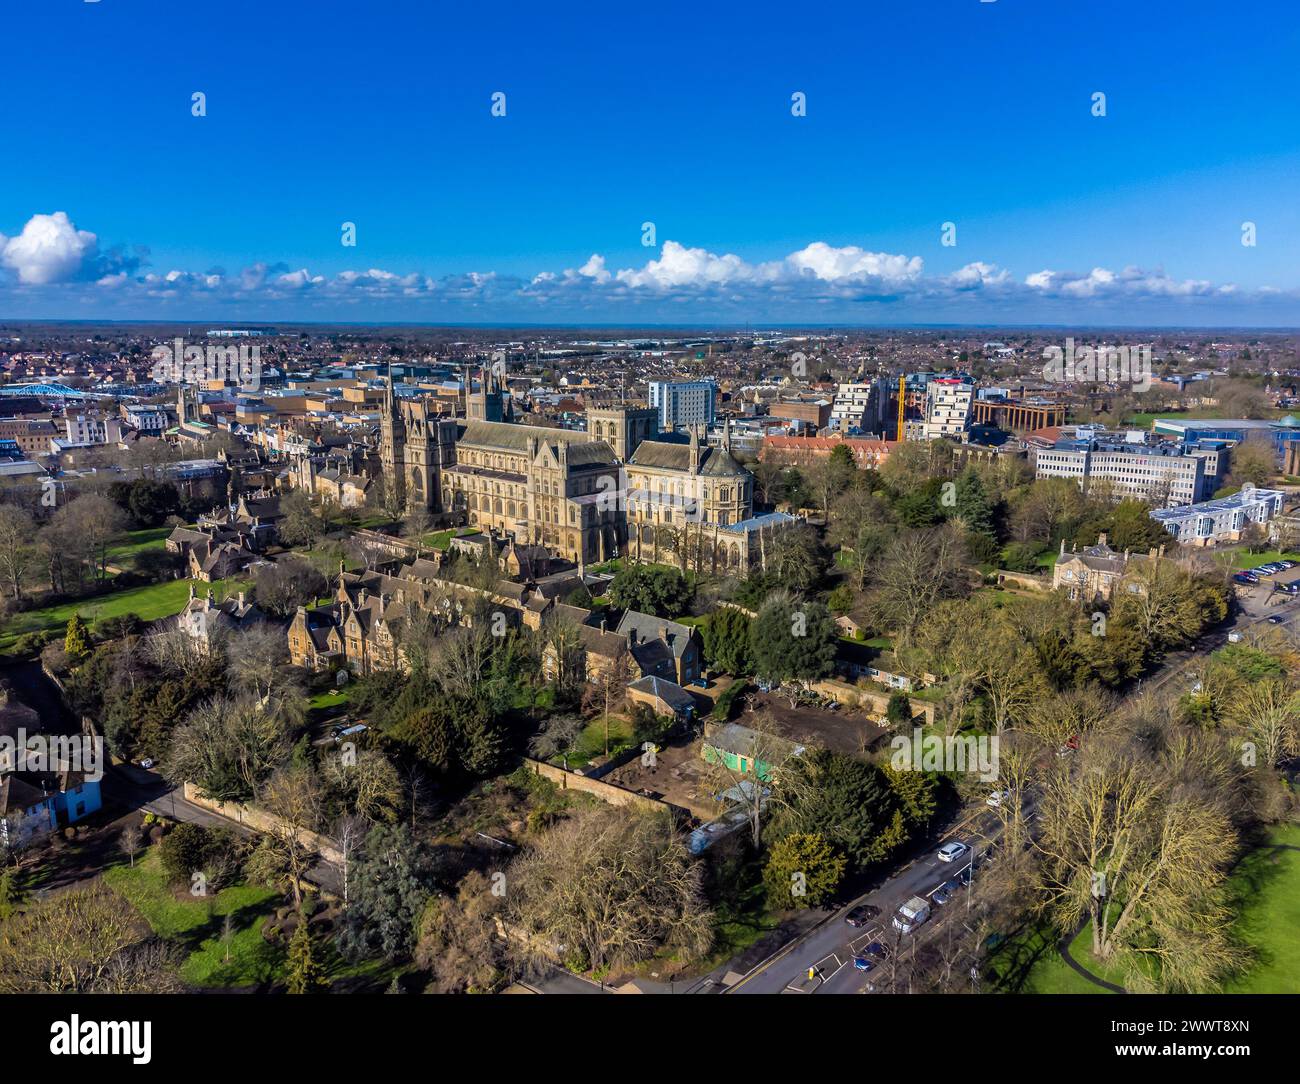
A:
[584,496]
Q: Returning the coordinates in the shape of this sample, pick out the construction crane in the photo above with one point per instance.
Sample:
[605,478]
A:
[902,399]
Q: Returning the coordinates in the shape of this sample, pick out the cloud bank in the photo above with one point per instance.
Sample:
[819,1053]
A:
[52,258]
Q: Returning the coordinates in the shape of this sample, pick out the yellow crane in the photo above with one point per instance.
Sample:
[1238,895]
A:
[902,399]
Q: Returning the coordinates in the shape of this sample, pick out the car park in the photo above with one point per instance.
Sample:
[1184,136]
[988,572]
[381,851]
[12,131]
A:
[862,914]
[950,852]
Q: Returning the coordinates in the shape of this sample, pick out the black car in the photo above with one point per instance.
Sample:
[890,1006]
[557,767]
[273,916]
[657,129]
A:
[877,950]
[862,914]
[963,877]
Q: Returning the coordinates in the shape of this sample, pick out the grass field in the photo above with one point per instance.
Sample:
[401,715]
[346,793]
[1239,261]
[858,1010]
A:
[149,603]
[149,538]
[1266,886]
[1244,559]
[196,924]
[1266,897]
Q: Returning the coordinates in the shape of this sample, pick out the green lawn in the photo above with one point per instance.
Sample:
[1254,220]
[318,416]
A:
[1266,891]
[591,742]
[441,540]
[1267,888]
[150,538]
[149,603]
[1245,559]
[196,924]
[1029,963]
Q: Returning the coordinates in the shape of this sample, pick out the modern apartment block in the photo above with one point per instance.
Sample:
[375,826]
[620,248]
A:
[1221,520]
[684,402]
[1162,475]
[948,408]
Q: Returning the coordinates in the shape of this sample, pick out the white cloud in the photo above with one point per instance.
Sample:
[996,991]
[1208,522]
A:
[49,249]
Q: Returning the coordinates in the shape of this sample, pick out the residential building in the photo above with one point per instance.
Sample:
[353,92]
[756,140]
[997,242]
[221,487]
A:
[1096,573]
[684,402]
[1208,523]
[948,407]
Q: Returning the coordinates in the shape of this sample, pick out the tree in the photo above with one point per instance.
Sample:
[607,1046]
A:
[607,888]
[802,870]
[284,585]
[293,797]
[726,634]
[391,881]
[899,709]
[367,784]
[18,552]
[920,570]
[458,941]
[68,942]
[306,972]
[1266,713]
[845,801]
[1139,847]
[228,747]
[792,640]
[132,840]
[663,592]
[299,524]
[973,506]
[77,641]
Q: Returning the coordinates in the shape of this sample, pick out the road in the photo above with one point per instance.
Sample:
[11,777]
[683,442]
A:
[828,949]
[137,788]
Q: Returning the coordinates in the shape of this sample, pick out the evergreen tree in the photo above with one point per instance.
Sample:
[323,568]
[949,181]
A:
[77,641]
[973,505]
[306,973]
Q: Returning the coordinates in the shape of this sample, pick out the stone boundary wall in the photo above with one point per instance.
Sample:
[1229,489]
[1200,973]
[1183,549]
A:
[261,821]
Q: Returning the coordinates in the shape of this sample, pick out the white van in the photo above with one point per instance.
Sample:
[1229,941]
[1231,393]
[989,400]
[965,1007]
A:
[912,914]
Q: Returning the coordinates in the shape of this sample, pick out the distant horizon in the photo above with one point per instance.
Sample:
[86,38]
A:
[659,328]
[546,172]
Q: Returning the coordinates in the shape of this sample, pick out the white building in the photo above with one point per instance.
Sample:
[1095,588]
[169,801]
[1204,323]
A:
[1221,520]
[684,402]
[850,406]
[1160,475]
[948,408]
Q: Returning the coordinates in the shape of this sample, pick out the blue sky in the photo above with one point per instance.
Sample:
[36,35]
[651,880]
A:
[919,113]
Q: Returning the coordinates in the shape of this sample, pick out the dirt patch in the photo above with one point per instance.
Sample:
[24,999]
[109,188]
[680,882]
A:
[843,731]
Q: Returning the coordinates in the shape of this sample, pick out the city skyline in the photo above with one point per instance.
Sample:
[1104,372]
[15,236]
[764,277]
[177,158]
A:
[977,124]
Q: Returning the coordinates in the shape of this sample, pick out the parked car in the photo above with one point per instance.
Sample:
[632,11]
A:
[147,762]
[950,852]
[1276,619]
[944,892]
[862,914]
[997,798]
[963,878]
[877,950]
[862,963]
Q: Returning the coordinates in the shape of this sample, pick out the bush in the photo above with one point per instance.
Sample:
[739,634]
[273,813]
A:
[191,848]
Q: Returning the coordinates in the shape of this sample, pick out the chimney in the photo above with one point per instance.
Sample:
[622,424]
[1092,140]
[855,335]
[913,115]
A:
[241,598]
[663,633]
[1152,553]
[1101,539]
[603,622]
[1062,547]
